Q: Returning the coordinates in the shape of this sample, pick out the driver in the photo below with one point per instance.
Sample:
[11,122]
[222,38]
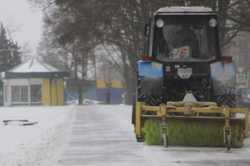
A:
[181,37]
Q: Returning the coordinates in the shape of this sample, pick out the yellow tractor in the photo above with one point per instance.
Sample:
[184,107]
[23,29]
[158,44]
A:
[186,88]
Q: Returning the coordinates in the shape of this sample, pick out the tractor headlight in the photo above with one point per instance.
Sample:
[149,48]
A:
[213,22]
[159,23]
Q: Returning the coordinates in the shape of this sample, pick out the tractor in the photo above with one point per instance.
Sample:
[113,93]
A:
[185,87]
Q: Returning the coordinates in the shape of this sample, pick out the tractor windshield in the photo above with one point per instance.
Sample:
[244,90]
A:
[185,38]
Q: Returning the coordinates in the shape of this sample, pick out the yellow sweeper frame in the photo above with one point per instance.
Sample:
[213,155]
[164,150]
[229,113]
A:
[192,110]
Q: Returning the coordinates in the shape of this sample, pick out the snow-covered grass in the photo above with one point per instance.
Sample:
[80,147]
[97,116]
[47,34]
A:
[30,145]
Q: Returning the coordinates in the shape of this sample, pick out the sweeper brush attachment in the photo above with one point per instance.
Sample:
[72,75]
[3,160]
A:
[191,124]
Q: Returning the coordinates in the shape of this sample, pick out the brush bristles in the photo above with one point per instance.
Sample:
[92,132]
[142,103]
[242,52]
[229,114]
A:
[193,132]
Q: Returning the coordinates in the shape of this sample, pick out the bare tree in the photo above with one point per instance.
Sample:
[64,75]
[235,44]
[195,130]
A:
[121,23]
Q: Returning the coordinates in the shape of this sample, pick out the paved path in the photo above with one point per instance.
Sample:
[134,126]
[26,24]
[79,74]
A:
[103,136]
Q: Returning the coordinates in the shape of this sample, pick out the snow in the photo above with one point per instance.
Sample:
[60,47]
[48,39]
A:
[180,9]
[33,65]
[90,101]
[31,145]
[93,135]
[110,140]
[85,101]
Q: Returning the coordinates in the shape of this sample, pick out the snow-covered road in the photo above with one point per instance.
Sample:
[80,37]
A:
[103,135]
[95,136]
[36,144]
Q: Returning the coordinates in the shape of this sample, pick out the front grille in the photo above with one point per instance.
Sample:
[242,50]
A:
[177,88]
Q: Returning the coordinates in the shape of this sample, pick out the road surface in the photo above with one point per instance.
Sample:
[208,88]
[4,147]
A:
[103,136]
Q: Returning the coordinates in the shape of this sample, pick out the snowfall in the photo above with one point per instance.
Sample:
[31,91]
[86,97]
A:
[93,135]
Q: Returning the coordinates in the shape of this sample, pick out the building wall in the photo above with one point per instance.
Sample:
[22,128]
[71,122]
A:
[111,93]
[53,92]
[46,92]
[16,82]
[72,89]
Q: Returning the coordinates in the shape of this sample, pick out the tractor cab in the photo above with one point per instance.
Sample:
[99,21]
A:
[183,56]
[183,34]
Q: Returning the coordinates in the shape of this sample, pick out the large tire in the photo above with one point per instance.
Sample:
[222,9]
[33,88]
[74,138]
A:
[139,139]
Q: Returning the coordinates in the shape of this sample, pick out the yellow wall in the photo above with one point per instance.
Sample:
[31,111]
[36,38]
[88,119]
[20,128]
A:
[100,84]
[53,92]
[46,92]
[114,84]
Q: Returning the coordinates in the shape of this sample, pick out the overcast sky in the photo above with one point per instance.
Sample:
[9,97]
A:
[23,20]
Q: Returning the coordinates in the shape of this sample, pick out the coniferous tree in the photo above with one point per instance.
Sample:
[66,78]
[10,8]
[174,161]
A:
[9,51]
